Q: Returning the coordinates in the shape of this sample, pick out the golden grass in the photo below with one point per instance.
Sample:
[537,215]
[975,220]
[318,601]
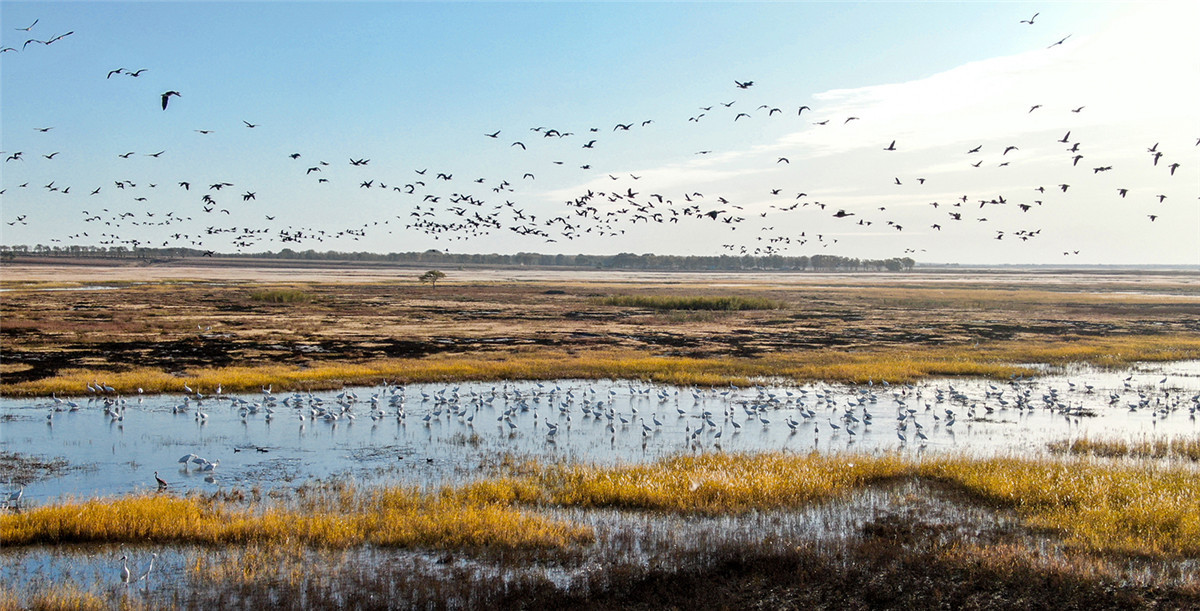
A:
[714,484]
[998,360]
[1139,509]
[391,517]
[58,597]
[1142,509]
[1188,448]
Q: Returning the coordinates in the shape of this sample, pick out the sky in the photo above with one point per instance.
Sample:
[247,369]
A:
[717,159]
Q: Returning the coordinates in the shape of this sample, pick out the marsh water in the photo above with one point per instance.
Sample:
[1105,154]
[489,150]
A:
[435,434]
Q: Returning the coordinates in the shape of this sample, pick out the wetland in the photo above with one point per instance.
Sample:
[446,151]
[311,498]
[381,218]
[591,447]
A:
[533,438]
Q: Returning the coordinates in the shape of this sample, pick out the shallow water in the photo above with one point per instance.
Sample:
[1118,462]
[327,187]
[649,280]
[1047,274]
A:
[447,432]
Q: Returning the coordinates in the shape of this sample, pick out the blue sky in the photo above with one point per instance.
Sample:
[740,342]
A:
[415,86]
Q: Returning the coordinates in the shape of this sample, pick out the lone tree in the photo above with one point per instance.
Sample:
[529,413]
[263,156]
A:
[432,276]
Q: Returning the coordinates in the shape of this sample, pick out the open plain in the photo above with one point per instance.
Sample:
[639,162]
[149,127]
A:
[66,325]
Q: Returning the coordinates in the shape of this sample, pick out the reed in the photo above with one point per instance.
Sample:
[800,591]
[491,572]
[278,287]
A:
[1141,509]
[60,597]
[999,360]
[716,483]
[1167,447]
[391,517]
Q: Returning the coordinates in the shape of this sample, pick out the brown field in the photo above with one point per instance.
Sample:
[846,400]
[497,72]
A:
[151,326]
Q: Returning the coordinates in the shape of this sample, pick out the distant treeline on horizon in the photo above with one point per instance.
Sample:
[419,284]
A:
[435,257]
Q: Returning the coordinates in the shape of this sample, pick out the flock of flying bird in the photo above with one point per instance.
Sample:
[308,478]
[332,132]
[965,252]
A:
[436,203]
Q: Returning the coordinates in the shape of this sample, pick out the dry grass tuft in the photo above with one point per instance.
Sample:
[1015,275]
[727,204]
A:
[1142,509]
[1114,448]
[389,517]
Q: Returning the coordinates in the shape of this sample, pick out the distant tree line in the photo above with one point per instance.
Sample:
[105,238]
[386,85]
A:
[623,260]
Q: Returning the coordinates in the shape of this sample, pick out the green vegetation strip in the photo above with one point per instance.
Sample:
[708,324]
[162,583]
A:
[1144,509]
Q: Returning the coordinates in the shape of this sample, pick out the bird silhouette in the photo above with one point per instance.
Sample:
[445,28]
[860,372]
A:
[167,96]
[1064,39]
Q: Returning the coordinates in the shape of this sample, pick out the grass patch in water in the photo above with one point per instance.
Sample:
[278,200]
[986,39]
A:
[387,517]
[1186,448]
[61,596]
[1142,509]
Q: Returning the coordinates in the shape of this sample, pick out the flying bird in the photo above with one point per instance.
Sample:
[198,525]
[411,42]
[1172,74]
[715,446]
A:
[35,21]
[167,96]
[744,85]
[1030,20]
[1064,39]
[249,124]
[891,147]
